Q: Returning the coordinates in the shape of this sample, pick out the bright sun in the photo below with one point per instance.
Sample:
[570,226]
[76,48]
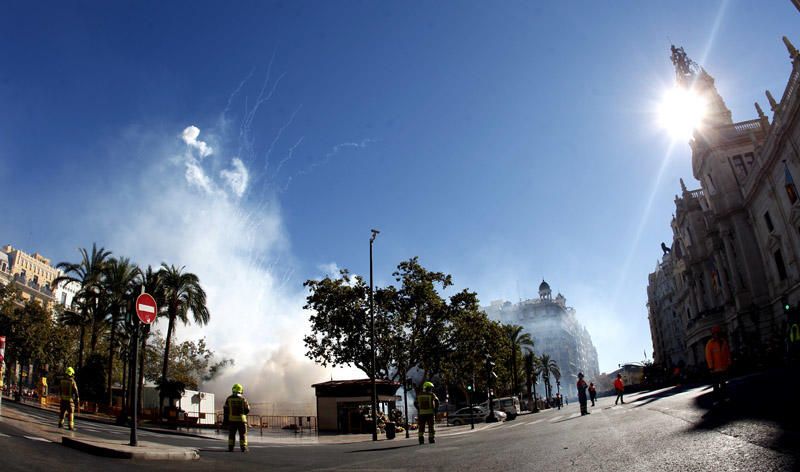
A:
[681,111]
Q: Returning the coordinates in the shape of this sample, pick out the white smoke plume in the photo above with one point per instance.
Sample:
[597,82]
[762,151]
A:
[190,135]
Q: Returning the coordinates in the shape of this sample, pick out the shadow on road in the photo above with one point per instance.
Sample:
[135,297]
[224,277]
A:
[384,448]
[768,397]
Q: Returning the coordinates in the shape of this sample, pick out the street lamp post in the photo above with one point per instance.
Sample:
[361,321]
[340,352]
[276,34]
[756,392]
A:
[372,343]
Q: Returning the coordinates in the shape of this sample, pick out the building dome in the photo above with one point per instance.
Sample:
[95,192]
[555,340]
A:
[544,286]
[544,290]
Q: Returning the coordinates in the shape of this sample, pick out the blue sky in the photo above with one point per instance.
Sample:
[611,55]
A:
[500,142]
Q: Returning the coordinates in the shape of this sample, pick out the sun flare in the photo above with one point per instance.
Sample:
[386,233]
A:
[681,111]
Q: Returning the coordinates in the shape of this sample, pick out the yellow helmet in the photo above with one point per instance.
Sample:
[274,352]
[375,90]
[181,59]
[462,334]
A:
[70,371]
[427,386]
[237,388]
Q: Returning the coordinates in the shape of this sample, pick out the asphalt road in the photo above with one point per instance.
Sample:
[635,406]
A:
[669,430]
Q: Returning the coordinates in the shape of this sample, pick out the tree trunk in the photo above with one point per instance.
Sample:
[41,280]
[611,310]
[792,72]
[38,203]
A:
[81,346]
[111,357]
[145,333]
[167,340]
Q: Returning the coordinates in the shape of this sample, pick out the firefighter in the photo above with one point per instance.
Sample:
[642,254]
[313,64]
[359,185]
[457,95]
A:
[718,358]
[582,387]
[69,399]
[426,403]
[234,414]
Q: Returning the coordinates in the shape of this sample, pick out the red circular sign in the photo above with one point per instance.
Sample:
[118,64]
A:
[146,308]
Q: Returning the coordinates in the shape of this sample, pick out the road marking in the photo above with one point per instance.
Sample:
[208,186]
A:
[515,425]
[34,438]
[4,435]
[574,415]
[556,418]
[534,422]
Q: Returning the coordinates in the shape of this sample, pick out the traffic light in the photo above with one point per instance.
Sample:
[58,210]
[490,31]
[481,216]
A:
[469,387]
[490,374]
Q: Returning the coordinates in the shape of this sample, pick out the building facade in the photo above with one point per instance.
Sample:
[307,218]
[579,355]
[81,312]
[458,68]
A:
[736,240]
[555,331]
[31,274]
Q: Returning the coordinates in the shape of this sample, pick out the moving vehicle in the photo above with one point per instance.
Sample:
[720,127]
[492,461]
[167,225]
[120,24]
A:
[463,416]
[509,405]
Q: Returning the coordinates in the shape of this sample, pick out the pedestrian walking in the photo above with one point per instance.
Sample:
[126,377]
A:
[718,358]
[234,415]
[592,392]
[558,400]
[619,386]
[582,387]
[426,403]
[69,399]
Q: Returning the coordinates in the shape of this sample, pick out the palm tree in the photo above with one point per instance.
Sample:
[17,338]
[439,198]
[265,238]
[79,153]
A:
[518,341]
[88,273]
[533,368]
[182,294]
[549,366]
[79,318]
[121,275]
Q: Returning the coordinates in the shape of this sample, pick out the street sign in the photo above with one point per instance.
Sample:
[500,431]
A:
[146,308]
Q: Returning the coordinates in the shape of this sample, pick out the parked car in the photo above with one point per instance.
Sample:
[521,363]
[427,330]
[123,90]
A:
[463,415]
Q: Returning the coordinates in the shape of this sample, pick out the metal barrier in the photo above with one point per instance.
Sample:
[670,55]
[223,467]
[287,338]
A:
[297,424]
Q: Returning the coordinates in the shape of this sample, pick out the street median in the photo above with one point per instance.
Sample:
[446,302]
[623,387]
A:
[120,450]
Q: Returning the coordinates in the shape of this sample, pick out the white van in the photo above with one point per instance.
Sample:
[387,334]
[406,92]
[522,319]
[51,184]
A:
[509,405]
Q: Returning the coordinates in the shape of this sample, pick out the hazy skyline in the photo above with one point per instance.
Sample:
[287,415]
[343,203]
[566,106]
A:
[257,145]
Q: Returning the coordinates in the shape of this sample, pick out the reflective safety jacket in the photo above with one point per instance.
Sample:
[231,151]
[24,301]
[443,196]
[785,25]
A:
[718,355]
[427,403]
[236,409]
[68,389]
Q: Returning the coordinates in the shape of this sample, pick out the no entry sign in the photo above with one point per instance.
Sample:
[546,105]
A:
[146,308]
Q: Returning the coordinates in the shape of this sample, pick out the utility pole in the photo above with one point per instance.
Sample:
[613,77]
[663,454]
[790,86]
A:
[490,376]
[372,343]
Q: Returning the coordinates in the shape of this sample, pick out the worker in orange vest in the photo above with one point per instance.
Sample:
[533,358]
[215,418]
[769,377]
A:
[718,358]
[619,386]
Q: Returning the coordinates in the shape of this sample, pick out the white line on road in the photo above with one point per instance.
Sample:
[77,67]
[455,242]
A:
[515,425]
[574,415]
[34,438]
[556,418]
[534,422]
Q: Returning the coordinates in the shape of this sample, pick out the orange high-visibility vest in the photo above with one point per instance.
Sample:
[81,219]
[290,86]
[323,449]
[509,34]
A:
[718,355]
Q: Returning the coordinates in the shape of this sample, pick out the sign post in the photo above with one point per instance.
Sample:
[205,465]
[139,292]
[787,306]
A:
[146,310]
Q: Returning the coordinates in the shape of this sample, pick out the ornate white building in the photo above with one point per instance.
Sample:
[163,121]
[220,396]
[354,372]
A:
[736,240]
[555,331]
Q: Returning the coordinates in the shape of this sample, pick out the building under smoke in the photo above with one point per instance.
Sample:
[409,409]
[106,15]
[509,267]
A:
[555,331]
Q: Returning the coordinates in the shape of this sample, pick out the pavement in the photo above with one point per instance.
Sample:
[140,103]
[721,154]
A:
[118,447]
[675,429]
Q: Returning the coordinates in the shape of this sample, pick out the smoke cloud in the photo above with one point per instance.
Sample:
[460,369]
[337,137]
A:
[239,249]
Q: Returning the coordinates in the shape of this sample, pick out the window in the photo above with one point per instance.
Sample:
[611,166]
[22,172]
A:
[779,265]
[711,187]
[768,221]
[739,165]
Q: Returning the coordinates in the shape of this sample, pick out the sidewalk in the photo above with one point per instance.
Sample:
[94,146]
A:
[100,447]
[104,419]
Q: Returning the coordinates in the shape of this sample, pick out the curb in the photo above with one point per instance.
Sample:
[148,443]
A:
[134,453]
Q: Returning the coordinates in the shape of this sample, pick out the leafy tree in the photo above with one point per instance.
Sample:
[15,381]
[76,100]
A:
[191,363]
[32,336]
[340,324]
[182,295]
[423,313]
[91,379]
